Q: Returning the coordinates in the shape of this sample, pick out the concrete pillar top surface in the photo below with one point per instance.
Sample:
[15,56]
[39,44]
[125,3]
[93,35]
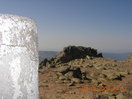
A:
[13,29]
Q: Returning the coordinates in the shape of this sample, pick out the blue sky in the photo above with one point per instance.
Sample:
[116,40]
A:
[102,24]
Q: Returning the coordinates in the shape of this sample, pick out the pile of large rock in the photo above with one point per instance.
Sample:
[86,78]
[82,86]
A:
[70,74]
[76,52]
[71,53]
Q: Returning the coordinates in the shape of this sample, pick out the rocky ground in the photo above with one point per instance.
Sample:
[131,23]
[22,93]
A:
[81,73]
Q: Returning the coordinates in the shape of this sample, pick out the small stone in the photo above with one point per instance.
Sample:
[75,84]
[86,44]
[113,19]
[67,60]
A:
[102,76]
[124,73]
[66,81]
[76,80]
[63,78]
[90,66]
[59,82]
[51,66]
[95,75]
[63,69]
[96,82]
[85,76]
[69,74]
[59,74]
[71,84]
[88,57]
[72,92]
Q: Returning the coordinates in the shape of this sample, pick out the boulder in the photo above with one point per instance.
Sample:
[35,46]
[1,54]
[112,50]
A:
[76,80]
[71,73]
[43,63]
[63,69]
[100,55]
[76,72]
[63,78]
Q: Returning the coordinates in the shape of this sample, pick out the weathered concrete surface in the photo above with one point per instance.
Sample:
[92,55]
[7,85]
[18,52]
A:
[18,58]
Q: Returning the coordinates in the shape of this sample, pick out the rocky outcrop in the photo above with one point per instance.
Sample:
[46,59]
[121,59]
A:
[76,52]
[71,53]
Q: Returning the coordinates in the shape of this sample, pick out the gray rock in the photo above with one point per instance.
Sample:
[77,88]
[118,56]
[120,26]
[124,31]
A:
[76,72]
[71,84]
[69,74]
[63,69]
[112,74]
[76,80]
[43,63]
[63,78]
[51,66]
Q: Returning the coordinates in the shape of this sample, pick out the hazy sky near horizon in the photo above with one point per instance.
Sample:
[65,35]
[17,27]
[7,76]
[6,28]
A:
[102,24]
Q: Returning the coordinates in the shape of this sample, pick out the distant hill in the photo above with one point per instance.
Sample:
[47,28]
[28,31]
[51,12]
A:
[46,54]
[116,56]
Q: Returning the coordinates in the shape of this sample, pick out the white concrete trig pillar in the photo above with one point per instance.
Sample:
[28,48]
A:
[18,58]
